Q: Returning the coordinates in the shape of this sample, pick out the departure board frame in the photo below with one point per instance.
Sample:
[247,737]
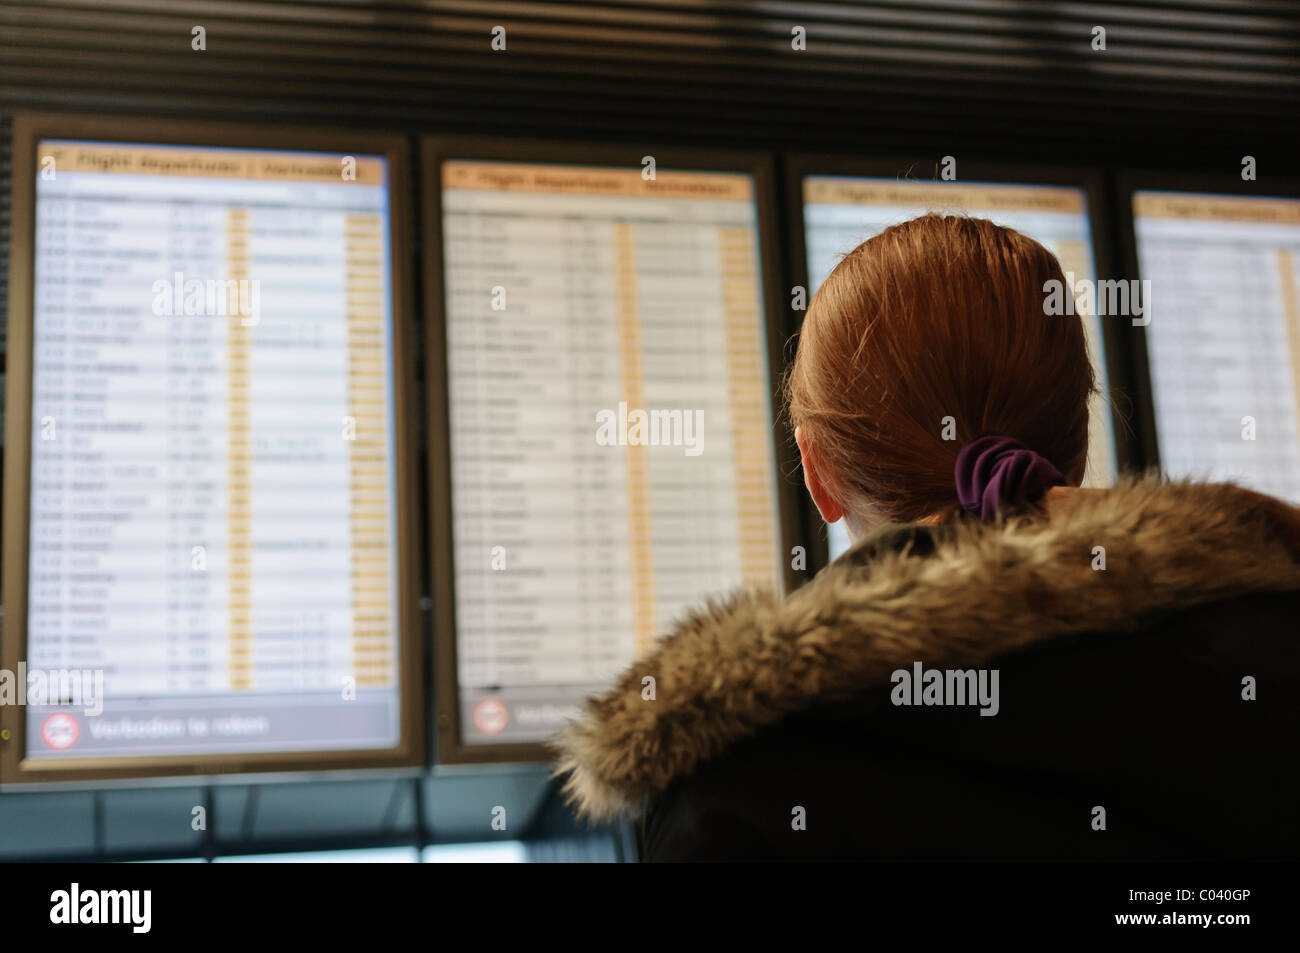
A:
[1129,182]
[1116,340]
[29,129]
[448,744]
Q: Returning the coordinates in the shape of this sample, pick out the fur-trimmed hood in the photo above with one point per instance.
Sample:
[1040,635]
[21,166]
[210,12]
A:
[955,596]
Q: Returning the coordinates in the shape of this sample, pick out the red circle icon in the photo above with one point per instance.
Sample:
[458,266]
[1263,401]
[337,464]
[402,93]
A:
[491,716]
[60,731]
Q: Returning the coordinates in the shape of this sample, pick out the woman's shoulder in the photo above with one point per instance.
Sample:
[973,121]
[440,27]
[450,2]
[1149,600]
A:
[1103,567]
[1180,737]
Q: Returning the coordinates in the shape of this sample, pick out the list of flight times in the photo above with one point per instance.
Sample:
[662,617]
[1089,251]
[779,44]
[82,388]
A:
[211,514]
[610,406]
[1224,339]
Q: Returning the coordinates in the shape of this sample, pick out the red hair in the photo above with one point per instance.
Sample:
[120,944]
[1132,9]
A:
[939,317]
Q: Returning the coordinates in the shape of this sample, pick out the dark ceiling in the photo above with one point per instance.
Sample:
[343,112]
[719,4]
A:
[1177,78]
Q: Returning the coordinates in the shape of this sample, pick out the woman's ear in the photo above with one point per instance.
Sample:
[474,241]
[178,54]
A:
[814,478]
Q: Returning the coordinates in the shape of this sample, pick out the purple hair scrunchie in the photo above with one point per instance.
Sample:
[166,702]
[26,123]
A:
[994,471]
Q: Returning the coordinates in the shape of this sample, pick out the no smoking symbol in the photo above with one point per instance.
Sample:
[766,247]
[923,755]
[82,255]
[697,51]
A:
[60,731]
[491,716]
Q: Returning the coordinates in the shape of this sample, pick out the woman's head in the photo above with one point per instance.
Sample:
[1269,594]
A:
[923,337]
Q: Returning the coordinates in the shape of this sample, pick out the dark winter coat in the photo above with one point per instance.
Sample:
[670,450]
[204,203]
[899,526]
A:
[1145,644]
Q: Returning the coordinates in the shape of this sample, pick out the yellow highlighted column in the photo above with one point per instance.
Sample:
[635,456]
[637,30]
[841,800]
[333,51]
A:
[372,622]
[239,464]
[636,459]
[1291,312]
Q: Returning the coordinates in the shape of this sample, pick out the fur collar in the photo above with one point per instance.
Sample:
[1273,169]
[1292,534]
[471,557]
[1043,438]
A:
[983,589]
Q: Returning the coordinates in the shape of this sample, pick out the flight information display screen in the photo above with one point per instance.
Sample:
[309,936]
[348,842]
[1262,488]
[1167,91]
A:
[610,410]
[212,548]
[842,212]
[1223,345]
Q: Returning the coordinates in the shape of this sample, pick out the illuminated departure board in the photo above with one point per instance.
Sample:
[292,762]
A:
[609,406]
[1223,344]
[212,521]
